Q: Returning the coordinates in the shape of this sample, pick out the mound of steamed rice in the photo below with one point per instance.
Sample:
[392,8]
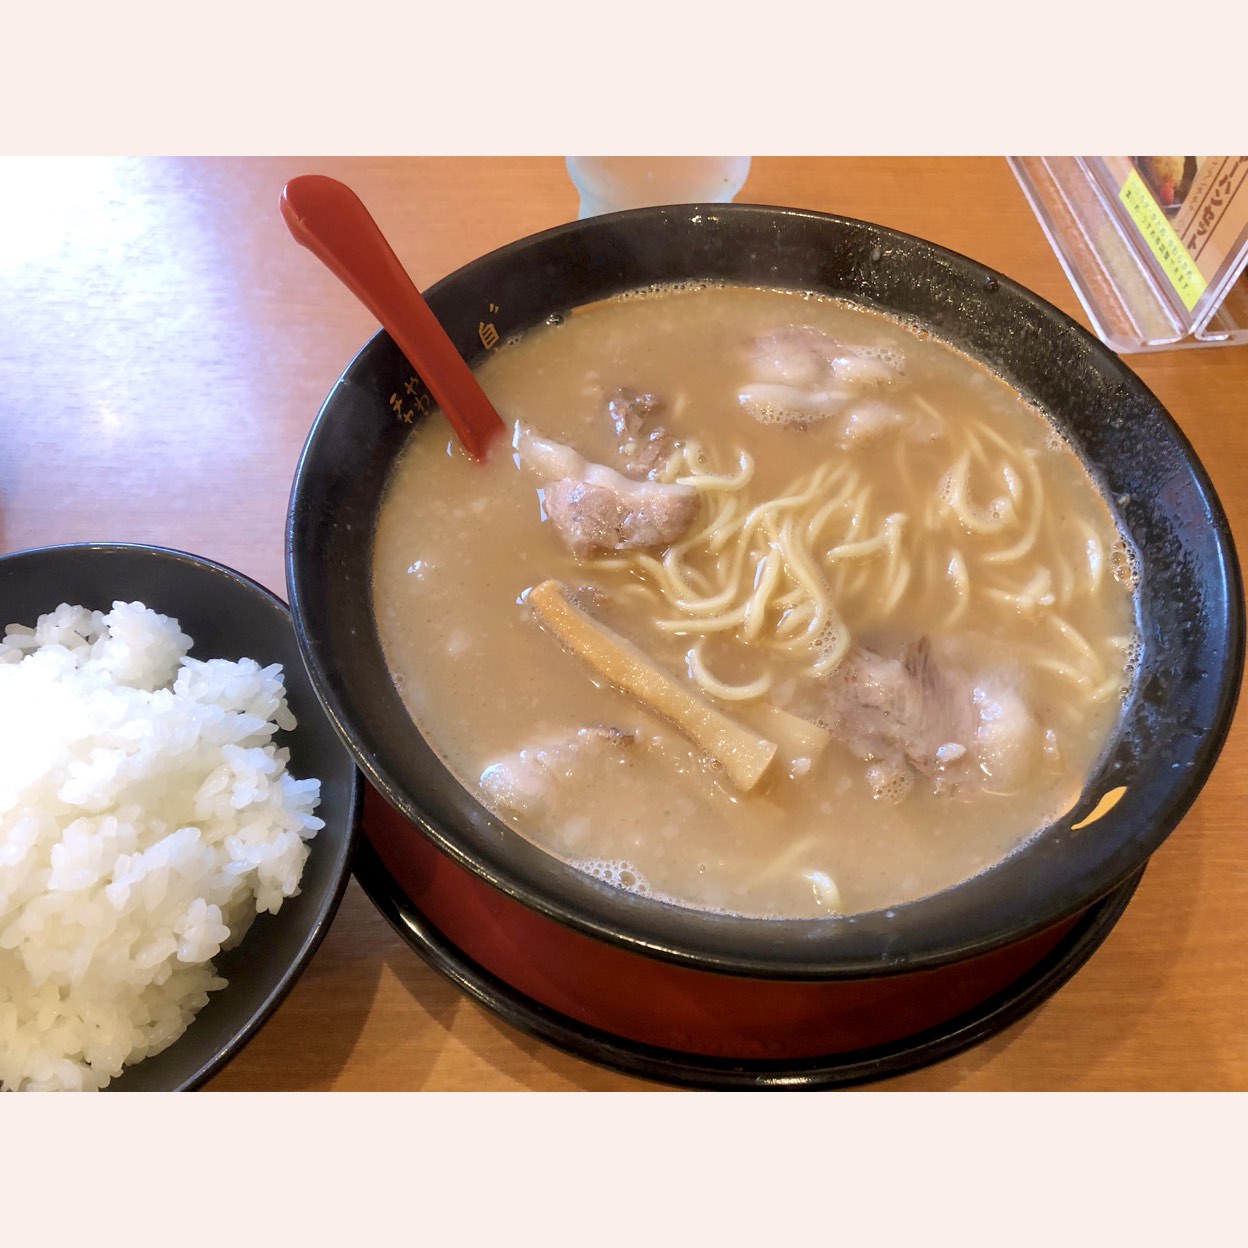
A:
[146,817]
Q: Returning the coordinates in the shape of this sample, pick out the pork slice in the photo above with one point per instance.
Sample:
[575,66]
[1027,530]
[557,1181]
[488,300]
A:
[799,375]
[869,419]
[1008,738]
[791,407]
[792,355]
[913,712]
[906,706]
[593,518]
[528,782]
[595,509]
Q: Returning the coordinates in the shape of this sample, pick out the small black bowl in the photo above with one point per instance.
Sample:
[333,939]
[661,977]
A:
[229,617]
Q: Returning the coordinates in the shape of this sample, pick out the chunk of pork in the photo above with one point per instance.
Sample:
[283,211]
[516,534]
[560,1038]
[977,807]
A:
[644,445]
[595,509]
[799,375]
[913,713]
[527,782]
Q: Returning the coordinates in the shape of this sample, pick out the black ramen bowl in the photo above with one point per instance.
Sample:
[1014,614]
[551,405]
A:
[227,616]
[1190,597]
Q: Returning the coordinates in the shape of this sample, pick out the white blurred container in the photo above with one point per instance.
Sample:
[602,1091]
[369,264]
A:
[609,183]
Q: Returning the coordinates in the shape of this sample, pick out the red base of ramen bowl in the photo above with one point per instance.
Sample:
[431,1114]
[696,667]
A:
[726,988]
[659,1021]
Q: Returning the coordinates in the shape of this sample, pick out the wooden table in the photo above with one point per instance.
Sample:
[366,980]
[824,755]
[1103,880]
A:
[164,347]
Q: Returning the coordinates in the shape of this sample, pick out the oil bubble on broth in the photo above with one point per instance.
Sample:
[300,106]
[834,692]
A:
[802,530]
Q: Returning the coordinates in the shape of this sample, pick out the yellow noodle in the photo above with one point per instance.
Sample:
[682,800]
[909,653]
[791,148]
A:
[893,527]
[956,569]
[670,467]
[647,563]
[725,481]
[897,570]
[788,857]
[676,576]
[663,577]
[795,618]
[724,528]
[804,570]
[1095,555]
[905,475]
[977,451]
[1012,482]
[831,656]
[718,688]
[1040,588]
[837,503]
[687,581]
[715,624]
[993,519]
[1044,662]
[765,581]
[986,430]
[1077,639]
[1065,591]
[899,587]
[850,547]
[857,520]
[708,531]
[787,503]
[858,550]
[806,639]
[709,604]
[1038,592]
[732,565]
[1028,540]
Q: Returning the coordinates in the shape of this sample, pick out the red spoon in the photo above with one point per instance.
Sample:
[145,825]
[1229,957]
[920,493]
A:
[329,219]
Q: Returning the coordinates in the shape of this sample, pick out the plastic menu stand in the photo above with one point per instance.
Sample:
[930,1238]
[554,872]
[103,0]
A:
[1154,245]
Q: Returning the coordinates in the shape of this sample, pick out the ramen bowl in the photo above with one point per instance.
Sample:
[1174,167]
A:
[710,997]
[227,616]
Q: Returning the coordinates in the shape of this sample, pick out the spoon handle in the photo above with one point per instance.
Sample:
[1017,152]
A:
[329,219]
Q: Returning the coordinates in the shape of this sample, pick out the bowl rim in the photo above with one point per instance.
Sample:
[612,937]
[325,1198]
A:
[264,599]
[593,913]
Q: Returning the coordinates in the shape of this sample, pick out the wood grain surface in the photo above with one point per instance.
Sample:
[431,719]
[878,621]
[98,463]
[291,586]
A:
[164,347]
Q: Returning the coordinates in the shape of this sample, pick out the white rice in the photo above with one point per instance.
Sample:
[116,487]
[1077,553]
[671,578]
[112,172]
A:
[145,819]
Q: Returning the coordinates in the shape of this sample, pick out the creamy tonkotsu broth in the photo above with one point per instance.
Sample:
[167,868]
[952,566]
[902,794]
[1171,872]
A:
[883,563]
